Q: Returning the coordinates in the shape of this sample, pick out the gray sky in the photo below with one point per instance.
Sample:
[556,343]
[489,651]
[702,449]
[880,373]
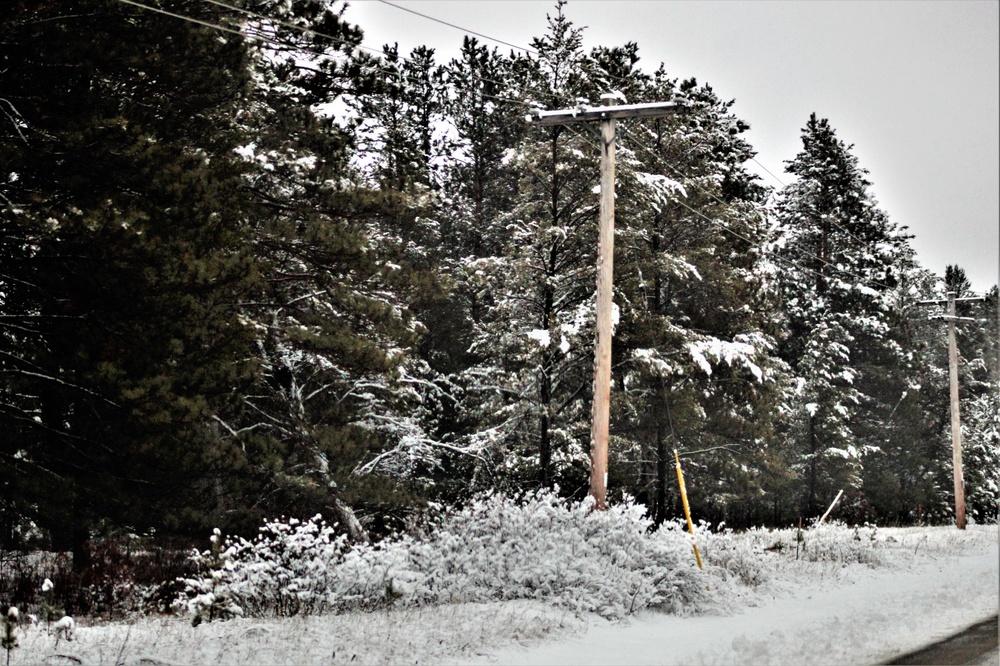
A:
[914,85]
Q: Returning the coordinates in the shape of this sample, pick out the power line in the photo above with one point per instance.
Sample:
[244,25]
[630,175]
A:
[304,48]
[725,229]
[287,24]
[485,95]
[190,19]
[458,27]
[379,52]
[778,180]
[802,253]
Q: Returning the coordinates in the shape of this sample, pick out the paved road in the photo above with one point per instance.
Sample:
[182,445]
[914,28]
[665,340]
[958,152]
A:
[976,646]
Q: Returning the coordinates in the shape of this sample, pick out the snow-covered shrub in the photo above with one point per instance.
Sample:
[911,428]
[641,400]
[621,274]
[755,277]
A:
[755,557]
[497,548]
[738,556]
[65,628]
[749,554]
[544,547]
[208,598]
[836,542]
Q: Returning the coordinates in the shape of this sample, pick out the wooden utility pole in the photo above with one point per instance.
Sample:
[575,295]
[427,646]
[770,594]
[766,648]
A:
[607,115]
[956,421]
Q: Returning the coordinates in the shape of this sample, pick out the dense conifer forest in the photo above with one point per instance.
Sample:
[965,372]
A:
[249,269]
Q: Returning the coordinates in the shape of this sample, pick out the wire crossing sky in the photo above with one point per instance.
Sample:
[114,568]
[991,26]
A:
[913,85]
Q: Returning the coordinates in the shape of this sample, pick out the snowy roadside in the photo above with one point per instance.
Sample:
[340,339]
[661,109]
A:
[401,636]
[861,616]
[930,582]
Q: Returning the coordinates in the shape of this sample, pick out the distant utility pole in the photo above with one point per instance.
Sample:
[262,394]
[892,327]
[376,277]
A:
[956,421]
[607,114]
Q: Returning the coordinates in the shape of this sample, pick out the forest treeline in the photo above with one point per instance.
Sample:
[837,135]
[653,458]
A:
[251,269]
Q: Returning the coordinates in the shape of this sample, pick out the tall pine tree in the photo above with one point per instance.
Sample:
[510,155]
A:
[848,258]
[123,265]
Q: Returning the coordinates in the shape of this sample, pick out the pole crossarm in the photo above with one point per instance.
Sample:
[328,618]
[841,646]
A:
[584,113]
[957,320]
[944,301]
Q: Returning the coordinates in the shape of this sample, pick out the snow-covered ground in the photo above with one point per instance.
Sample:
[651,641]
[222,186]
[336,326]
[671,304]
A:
[863,616]
[928,583]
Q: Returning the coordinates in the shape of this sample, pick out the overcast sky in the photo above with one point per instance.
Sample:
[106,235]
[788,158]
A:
[914,85]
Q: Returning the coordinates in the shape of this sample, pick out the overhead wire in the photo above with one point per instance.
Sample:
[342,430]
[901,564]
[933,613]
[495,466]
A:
[380,52]
[307,49]
[288,24]
[351,44]
[776,179]
[776,257]
[458,27]
[182,17]
[802,253]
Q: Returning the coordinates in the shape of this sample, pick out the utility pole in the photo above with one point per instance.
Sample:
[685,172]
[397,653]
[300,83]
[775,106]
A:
[607,115]
[956,421]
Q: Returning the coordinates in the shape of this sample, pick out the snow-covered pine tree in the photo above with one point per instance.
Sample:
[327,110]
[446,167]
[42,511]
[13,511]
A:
[845,258]
[979,393]
[907,479]
[487,110]
[981,451]
[694,346]
[981,426]
[530,390]
[339,415]
[399,126]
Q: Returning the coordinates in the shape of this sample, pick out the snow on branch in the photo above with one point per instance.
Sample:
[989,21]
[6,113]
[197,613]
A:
[744,352]
[661,190]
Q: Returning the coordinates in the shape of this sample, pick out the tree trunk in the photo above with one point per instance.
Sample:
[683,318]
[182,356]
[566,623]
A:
[662,470]
[545,421]
[350,520]
[813,469]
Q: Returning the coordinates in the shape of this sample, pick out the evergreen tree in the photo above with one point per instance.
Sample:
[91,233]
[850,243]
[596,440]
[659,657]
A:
[488,118]
[694,347]
[123,265]
[399,120]
[337,411]
[981,451]
[977,345]
[530,391]
[849,258]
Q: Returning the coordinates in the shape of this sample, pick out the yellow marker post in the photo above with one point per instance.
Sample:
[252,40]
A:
[687,509]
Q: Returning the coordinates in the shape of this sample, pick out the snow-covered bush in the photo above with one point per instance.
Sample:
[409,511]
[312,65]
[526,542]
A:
[729,555]
[837,542]
[65,628]
[545,547]
[207,597]
[497,548]
[753,556]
